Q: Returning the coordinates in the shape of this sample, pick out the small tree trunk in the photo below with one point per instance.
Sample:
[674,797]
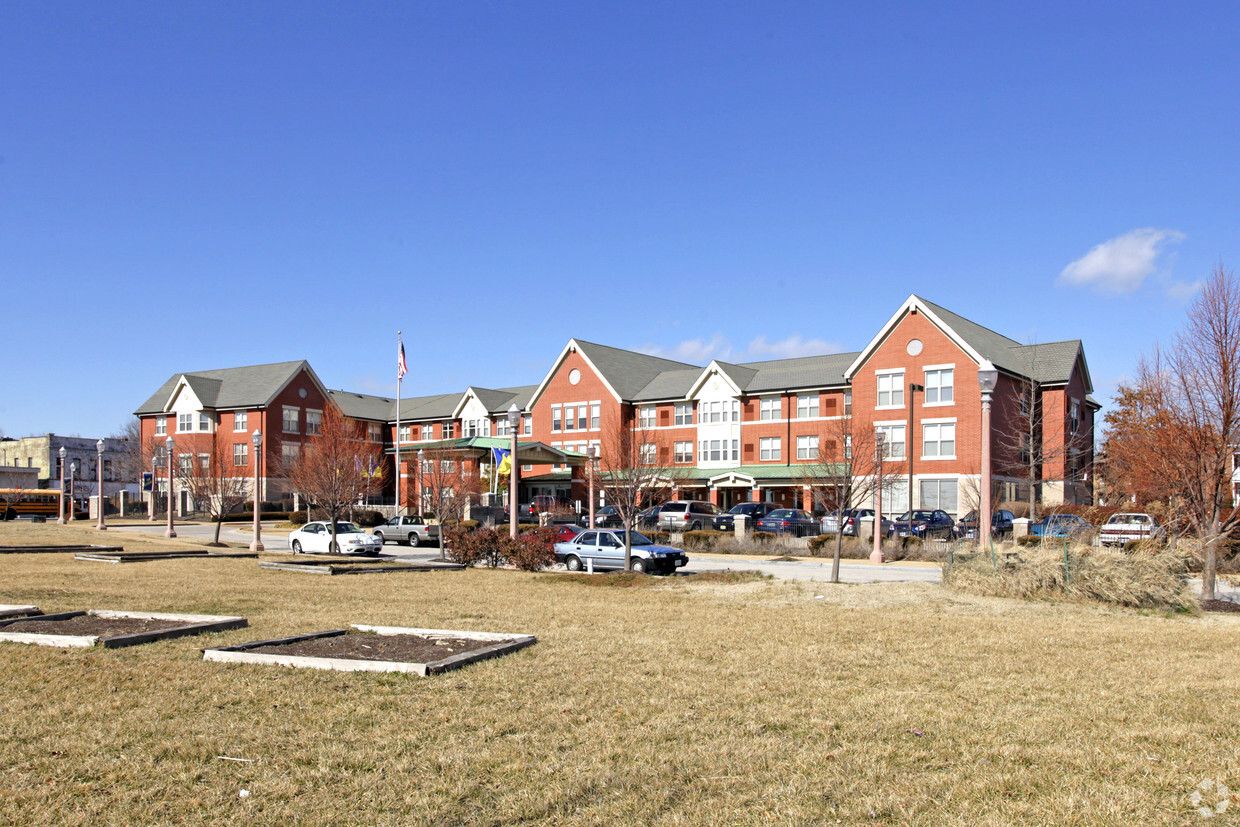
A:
[628,549]
[219,520]
[1209,568]
[839,543]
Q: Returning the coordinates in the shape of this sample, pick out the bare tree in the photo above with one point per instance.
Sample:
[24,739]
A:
[215,485]
[637,470]
[445,488]
[1189,422]
[335,467]
[846,473]
[128,460]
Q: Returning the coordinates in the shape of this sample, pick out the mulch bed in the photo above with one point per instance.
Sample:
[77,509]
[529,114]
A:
[364,646]
[89,625]
[1219,606]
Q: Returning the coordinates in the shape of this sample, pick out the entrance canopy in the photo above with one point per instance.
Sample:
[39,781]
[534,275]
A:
[528,453]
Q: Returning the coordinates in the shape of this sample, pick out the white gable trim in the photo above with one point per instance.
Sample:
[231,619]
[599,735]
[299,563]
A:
[571,347]
[732,479]
[182,386]
[707,372]
[910,304]
[465,397]
[313,378]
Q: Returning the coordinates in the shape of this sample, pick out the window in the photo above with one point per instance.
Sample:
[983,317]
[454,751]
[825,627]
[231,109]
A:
[645,417]
[404,433]
[185,423]
[649,453]
[891,390]
[595,409]
[938,494]
[847,403]
[204,422]
[939,389]
[374,432]
[769,448]
[314,422]
[938,439]
[449,429]
[239,421]
[529,425]
[161,426]
[721,410]
[204,462]
[893,441]
[807,406]
[807,447]
[570,417]
[501,427]
[583,417]
[684,451]
[847,446]
[447,466]
[1076,416]
[186,462]
[684,413]
[290,420]
[107,468]
[241,454]
[768,408]
[289,452]
[556,413]
[427,465]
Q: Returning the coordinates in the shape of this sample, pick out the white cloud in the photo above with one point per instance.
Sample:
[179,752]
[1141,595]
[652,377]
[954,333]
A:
[1181,291]
[1122,264]
[701,351]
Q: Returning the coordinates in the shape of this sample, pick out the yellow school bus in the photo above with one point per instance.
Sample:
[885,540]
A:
[16,502]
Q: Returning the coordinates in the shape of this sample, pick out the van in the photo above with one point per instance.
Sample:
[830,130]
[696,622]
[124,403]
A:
[687,515]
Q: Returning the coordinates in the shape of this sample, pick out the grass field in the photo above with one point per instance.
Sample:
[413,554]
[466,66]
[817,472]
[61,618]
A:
[669,701]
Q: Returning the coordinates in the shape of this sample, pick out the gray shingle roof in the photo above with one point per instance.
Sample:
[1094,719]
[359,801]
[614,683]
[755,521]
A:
[497,400]
[804,372]
[626,371]
[670,384]
[244,387]
[364,406]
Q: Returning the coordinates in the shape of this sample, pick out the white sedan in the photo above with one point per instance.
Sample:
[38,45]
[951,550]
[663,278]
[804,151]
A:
[316,538]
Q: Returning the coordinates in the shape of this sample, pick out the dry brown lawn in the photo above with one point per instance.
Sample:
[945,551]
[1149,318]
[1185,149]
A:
[674,701]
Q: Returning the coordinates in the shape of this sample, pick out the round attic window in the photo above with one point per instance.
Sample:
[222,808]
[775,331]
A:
[302,393]
[574,376]
[914,347]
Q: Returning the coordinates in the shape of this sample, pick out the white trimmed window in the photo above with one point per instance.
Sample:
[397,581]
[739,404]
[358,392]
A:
[684,451]
[768,408]
[289,452]
[161,426]
[405,433]
[529,426]
[204,462]
[1076,416]
[449,430]
[204,421]
[239,421]
[893,441]
[374,431]
[769,448]
[241,454]
[596,408]
[501,427]
[891,390]
[938,440]
[447,466]
[186,463]
[807,406]
[556,413]
[939,389]
[570,418]
[938,494]
[185,423]
[847,403]
[649,453]
[314,422]
[807,447]
[847,446]
[645,417]
[583,417]
[684,414]
[291,416]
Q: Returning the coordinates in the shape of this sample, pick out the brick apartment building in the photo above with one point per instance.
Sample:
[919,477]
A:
[733,432]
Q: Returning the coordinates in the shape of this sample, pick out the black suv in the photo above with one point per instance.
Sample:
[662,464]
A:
[924,524]
[753,511]
[1000,524]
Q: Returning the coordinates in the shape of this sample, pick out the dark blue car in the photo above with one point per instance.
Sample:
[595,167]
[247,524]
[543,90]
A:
[924,524]
[1060,525]
[792,521]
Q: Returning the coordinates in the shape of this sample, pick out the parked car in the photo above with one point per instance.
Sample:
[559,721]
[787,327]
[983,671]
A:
[605,548]
[687,515]
[852,519]
[792,521]
[605,517]
[406,531]
[1000,524]
[564,531]
[648,520]
[316,538]
[752,511]
[924,524]
[1060,525]
[1124,527]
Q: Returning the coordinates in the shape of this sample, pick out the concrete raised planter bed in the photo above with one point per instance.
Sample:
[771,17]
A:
[488,645]
[10,610]
[165,626]
[355,566]
[56,549]
[144,556]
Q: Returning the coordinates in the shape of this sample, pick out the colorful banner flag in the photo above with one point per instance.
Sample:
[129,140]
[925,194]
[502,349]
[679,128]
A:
[504,461]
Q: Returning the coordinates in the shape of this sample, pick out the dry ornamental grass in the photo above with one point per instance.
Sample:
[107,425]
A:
[673,701]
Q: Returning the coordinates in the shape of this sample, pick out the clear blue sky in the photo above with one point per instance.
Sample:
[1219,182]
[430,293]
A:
[186,186]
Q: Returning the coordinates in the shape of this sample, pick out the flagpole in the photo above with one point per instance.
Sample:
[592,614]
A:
[400,352]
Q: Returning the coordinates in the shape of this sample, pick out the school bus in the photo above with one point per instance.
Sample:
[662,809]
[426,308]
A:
[16,502]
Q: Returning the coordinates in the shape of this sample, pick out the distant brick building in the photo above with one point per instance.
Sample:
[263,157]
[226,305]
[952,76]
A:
[736,432]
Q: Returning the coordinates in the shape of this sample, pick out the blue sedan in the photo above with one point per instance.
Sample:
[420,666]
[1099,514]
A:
[604,549]
[792,521]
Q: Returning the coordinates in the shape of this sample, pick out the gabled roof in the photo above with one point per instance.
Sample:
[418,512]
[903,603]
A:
[802,372]
[497,400]
[624,372]
[246,387]
[364,406]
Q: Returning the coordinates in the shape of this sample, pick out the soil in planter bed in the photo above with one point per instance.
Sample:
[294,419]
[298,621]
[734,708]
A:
[90,626]
[364,646]
[1219,606]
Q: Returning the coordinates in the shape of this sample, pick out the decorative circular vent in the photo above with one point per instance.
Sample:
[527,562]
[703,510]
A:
[302,393]
[574,376]
[914,347]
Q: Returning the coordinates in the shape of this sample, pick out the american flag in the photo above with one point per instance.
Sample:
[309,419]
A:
[401,367]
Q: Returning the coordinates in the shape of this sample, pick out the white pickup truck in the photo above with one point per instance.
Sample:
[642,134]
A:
[407,531]
[1124,527]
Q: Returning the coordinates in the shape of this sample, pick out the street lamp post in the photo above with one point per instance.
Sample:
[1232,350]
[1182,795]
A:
[170,531]
[876,556]
[60,518]
[987,378]
[257,544]
[73,466]
[913,387]
[514,418]
[151,504]
[421,460]
[591,454]
[101,524]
